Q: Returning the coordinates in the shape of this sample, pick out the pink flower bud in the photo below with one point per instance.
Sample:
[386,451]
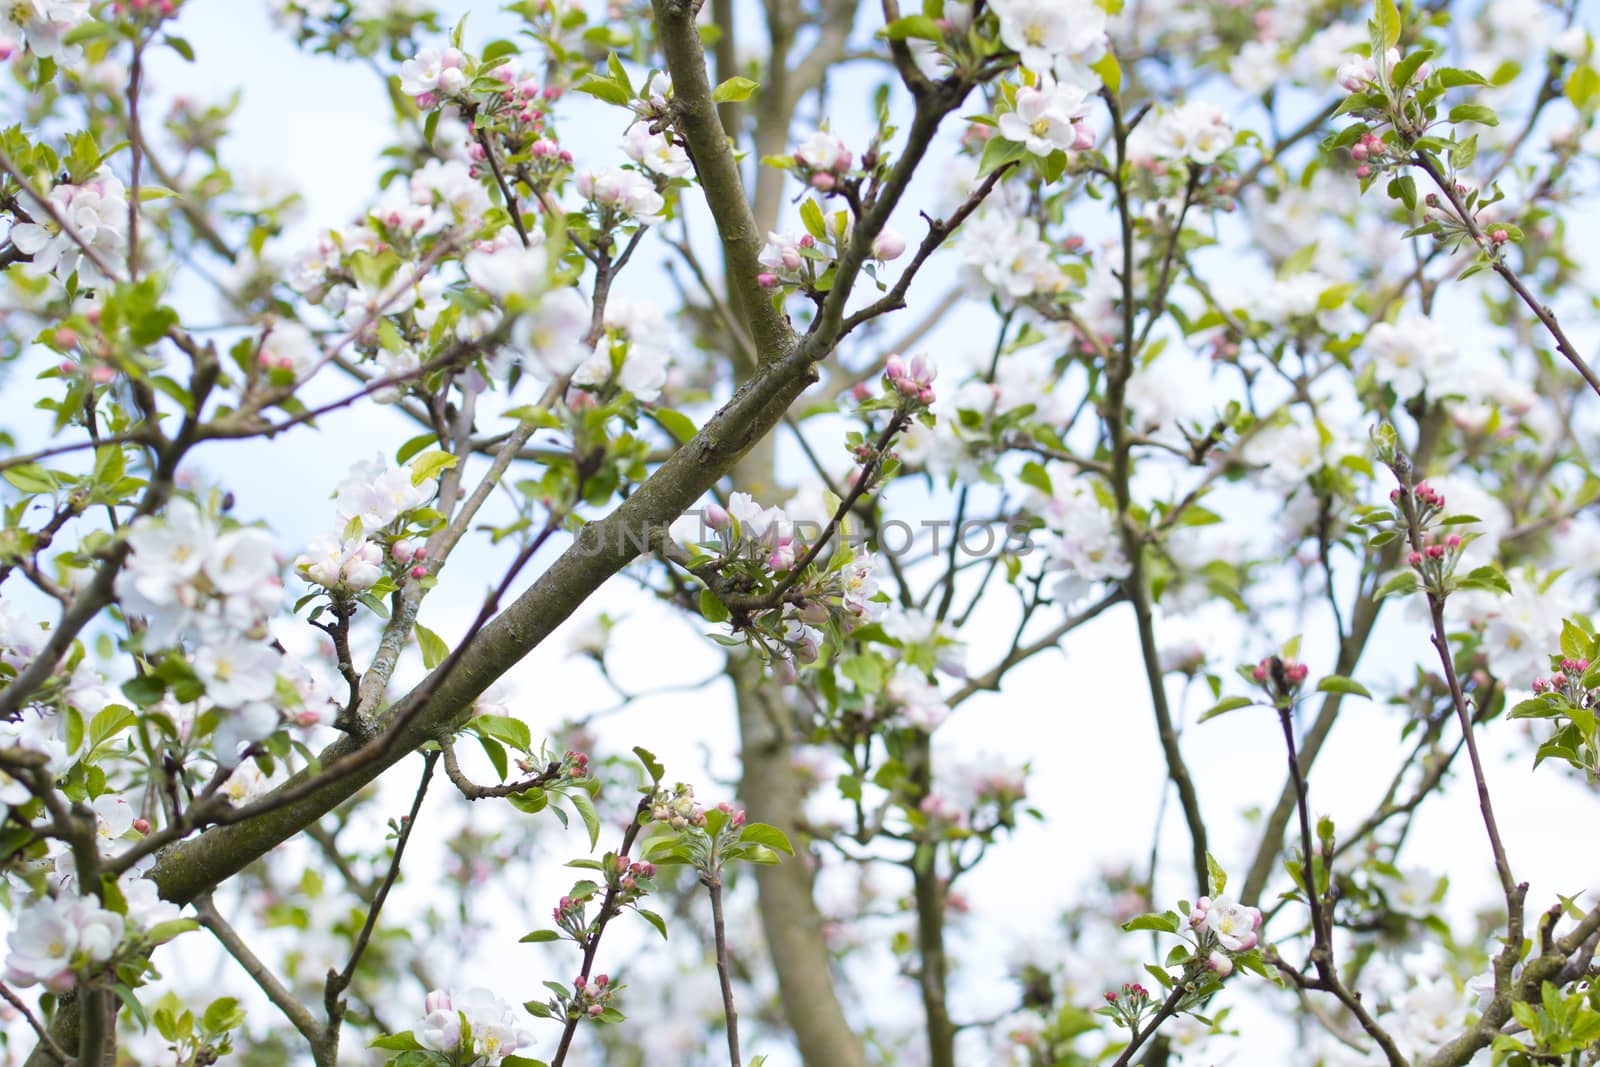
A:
[1363,171]
[419,572]
[141,825]
[1259,672]
[1415,559]
[438,1000]
[1453,541]
[888,245]
[717,517]
[66,336]
[1540,685]
[427,101]
[602,980]
[307,718]
[767,280]
[1082,137]
[1498,237]
[1219,965]
[824,182]
[8,48]
[401,551]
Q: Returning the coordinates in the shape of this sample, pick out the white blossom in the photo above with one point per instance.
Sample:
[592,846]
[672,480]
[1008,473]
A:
[377,492]
[656,152]
[625,191]
[433,71]
[237,670]
[552,332]
[92,216]
[1410,354]
[497,1029]
[44,25]
[1047,33]
[509,269]
[56,936]
[1046,117]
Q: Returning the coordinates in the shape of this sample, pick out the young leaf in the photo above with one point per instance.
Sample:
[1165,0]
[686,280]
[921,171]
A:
[734,90]
[1338,683]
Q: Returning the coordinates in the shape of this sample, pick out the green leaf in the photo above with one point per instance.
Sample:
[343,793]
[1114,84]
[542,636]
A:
[1166,922]
[144,689]
[222,1015]
[619,73]
[161,933]
[652,766]
[540,936]
[108,723]
[434,650]
[1407,67]
[586,811]
[1401,584]
[1224,706]
[31,478]
[1110,71]
[1455,77]
[679,425]
[654,920]
[1215,875]
[513,732]
[604,89]
[1484,116]
[1575,640]
[712,609]
[180,46]
[998,153]
[1338,683]
[1387,17]
[1034,474]
[734,90]
[811,217]
[1582,86]
[397,1042]
[762,834]
[1403,188]
[429,464]
[918,26]
[1487,577]
[413,446]
[497,756]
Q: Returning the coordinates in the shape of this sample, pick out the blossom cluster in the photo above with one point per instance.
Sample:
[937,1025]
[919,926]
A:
[43,26]
[375,537]
[474,1025]
[1061,37]
[80,229]
[1228,926]
[194,582]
